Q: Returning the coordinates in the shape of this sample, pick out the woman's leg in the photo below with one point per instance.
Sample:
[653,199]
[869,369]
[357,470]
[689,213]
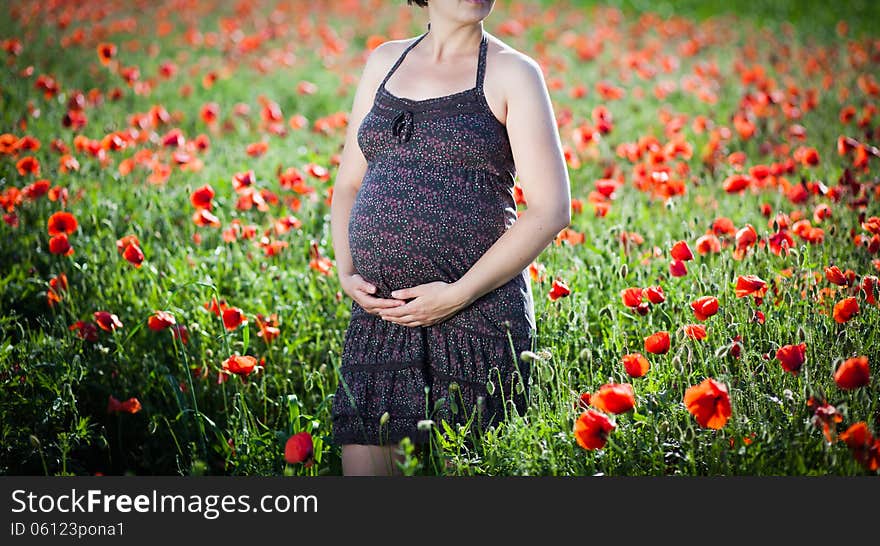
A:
[368,460]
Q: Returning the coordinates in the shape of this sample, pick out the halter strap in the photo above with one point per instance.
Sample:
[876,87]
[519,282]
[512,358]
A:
[481,59]
[402,55]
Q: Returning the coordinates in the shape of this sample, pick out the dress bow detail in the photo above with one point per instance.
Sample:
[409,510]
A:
[402,125]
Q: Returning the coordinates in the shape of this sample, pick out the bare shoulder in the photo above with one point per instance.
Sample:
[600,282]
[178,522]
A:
[517,73]
[383,56]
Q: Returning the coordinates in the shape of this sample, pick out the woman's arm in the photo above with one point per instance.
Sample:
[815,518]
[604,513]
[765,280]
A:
[541,169]
[352,167]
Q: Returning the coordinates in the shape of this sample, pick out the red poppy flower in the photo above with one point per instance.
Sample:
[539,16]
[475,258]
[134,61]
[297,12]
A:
[583,402]
[122,244]
[299,449]
[36,190]
[268,329]
[723,226]
[657,343]
[704,307]
[845,309]
[736,183]
[681,251]
[708,243]
[864,447]
[204,218]
[591,429]
[709,403]
[635,364]
[735,346]
[209,112]
[857,435]
[677,268]
[233,317]
[750,285]
[179,331]
[835,275]
[85,330]
[133,254]
[744,239]
[107,321]
[825,416]
[872,224]
[215,307]
[807,156]
[632,297]
[869,284]
[160,321]
[614,398]
[62,222]
[201,197]
[695,331]
[558,290]
[28,165]
[57,285]
[792,357]
[780,242]
[106,52]
[60,245]
[853,373]
[132,405]
[655,294]
[241,365]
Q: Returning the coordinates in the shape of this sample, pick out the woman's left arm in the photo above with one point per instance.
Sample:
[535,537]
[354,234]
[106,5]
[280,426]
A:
[540,165]
[541,169]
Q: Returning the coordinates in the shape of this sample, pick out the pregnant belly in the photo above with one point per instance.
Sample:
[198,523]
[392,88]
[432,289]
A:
[411,226]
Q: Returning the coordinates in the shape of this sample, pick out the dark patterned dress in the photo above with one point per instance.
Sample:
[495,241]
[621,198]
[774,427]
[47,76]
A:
[437,193]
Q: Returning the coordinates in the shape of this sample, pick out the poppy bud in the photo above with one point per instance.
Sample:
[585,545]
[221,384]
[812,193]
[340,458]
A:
[384,419]
[676,363]
[624,271]
[528,356]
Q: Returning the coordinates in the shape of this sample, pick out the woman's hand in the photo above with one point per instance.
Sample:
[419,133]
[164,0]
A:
[359,290]
[432,303]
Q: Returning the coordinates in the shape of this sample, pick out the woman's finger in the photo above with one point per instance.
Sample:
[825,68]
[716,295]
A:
[369,302]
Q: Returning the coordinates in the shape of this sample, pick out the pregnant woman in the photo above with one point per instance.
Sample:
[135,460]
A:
[426,236]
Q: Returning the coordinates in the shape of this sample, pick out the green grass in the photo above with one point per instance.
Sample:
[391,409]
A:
[54,387]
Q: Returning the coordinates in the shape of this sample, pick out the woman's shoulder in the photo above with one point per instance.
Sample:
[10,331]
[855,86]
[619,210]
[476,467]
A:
[511,66]
[388,51]
[380,59]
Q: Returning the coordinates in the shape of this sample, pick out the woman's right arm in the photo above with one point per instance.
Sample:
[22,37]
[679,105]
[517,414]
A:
[352,167]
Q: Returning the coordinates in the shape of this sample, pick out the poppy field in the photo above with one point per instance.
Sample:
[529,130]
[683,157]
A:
[169,296]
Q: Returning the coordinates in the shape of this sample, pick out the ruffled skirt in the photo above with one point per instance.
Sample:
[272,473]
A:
[466,368]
